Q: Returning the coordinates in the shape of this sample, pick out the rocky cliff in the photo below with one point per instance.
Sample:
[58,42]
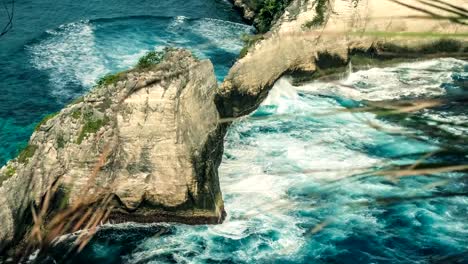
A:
[147,139]
[313,36]
[261,13]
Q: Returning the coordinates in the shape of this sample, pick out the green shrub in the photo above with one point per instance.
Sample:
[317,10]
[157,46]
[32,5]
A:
[91,126]
[319,19]
[27,153]
[44,120]
[150,59]
[109,79]
[60,141]
[10,171]
[249,41]
[76,114]
[269,10]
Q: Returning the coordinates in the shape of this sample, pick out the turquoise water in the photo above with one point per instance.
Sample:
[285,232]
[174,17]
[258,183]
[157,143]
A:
[289,192]
[57,51]
[287,169]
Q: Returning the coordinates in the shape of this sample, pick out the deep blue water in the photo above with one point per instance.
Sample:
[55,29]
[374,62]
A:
[287,168]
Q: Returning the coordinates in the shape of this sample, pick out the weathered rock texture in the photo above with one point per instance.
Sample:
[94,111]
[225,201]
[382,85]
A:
[152,140]
[248,9]
[307,32]
[261,13]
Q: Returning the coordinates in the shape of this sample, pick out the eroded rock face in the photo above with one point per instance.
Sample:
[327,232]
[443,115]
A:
[261,13]
[247,8]
[337,28]
[152,140]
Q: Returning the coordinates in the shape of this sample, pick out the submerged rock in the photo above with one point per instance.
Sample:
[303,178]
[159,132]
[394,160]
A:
[148,140]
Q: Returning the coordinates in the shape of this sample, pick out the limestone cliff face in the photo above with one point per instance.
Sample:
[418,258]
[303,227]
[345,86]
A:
[261,13]
[311,34]
[248,9]
[151,141]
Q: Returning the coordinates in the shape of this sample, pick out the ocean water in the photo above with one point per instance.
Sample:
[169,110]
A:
[288,169]
[57,50]
[291,193]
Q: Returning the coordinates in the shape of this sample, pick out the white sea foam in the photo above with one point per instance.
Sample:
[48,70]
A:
[303,148]
[275,167]
[75,55]
[218,33]
[421,79]
[178,21]
[70,57]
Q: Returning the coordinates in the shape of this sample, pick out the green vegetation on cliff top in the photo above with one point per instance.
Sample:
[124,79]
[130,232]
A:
[44,120]
[150,59]
[249,41]
[110,79]
[145,62]
[91,126]
[268,12]
[27,153]
[10,171]
[321,13]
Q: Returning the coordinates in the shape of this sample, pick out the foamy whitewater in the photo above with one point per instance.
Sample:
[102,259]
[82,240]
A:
[77,54]
[63,63]
[288,190]
[287,171]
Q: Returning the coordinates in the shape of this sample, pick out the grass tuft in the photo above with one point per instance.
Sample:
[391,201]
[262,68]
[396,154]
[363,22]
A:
[249,41]
[269,10]
[150,59]
[10,171]
[319,19]
[76,114]
[27,153]
[91,126]
[44,120]
[109,79]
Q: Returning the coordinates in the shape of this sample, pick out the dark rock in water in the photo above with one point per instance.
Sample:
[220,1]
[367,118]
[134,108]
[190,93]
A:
[108,244]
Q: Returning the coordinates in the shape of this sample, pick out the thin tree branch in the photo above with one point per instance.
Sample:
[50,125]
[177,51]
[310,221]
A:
[10,14]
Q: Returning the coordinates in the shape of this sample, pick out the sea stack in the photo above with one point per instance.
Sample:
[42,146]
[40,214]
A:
[148,140]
